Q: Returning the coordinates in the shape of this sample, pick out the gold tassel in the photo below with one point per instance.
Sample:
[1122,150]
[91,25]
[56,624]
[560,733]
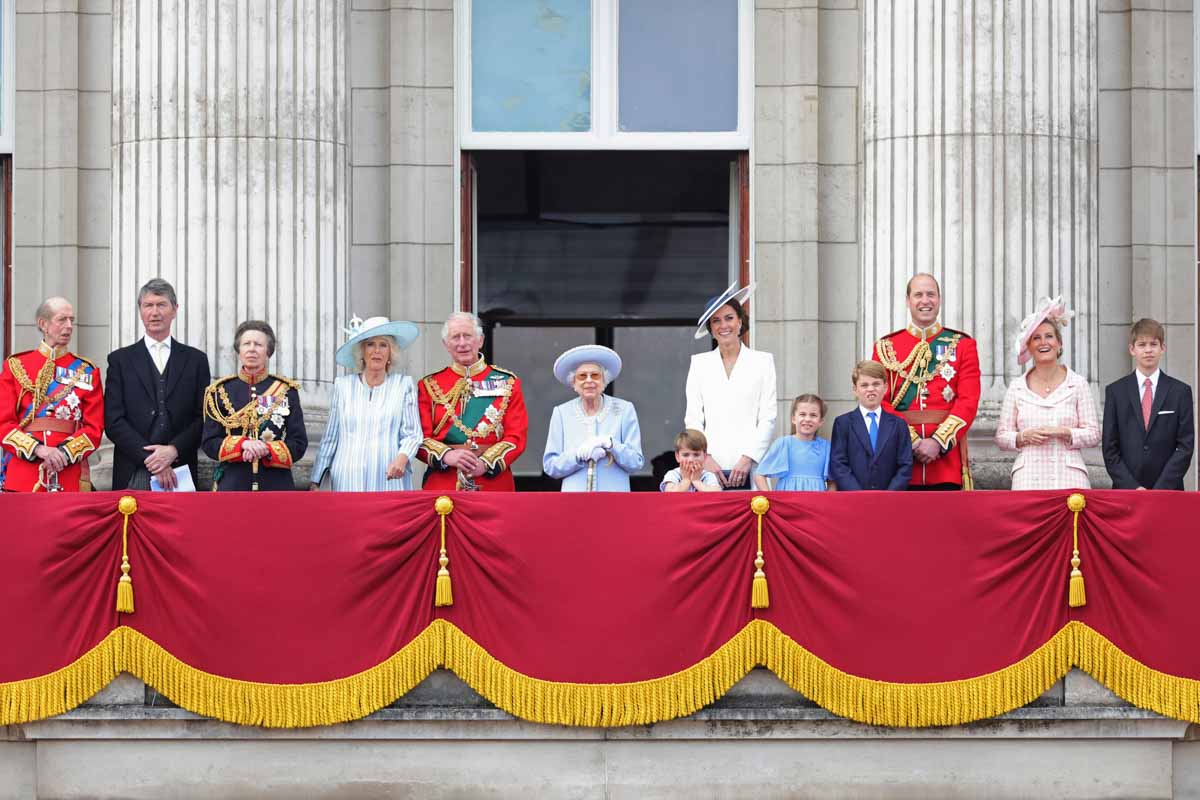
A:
[127,506]
[759,596]
[443,593]
[1077,597]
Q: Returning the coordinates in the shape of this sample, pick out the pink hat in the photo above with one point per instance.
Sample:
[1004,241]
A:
[1054,310]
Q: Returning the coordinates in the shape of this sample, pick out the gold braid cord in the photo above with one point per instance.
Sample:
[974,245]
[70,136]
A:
[915,367]
[229,418]
[37,389]
[449,400]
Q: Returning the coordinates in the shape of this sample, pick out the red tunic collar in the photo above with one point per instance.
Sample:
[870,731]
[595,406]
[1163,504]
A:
[471,371]
[924,333]
[252,378]
[52,353]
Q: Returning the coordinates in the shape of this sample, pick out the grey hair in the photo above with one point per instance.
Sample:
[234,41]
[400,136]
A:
[466,315]
[46,310]
[159,287]
[360,361]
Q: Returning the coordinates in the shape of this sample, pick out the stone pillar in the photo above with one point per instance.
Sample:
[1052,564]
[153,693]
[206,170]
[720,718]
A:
[981,166]
[229,172]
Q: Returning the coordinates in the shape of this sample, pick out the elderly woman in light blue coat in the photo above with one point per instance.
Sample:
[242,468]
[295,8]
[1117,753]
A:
[374,426]
[594,443]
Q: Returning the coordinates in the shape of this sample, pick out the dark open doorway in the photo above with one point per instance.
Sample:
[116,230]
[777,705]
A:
[623,249]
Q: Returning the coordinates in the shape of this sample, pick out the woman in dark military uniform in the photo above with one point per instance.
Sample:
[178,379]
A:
[253,424]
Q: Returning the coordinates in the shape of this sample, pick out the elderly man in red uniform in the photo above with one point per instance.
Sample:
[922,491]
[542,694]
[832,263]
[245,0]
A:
[51,409]
[472,414]
[933,382]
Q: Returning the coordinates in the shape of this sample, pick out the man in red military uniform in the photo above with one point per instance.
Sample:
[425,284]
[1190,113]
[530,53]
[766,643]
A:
[472,414]
[51,409]
[933,382]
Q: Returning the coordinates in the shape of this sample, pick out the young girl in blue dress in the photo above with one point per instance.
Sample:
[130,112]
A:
[800,462]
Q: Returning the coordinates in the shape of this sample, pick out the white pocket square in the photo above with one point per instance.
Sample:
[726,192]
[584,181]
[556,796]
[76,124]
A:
[1166,412]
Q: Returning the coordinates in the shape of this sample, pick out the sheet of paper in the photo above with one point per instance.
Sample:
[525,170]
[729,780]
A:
[183,476]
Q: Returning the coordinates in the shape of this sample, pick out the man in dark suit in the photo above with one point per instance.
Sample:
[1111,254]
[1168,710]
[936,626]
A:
[870,448]
[155,400]
[1148,429]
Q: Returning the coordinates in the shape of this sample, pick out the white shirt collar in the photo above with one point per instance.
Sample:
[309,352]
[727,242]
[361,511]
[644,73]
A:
[151,343]
[878,412]
[1141,381]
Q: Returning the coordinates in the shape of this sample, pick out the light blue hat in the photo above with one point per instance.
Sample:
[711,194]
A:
[566,364]
[402,332]
[732,293]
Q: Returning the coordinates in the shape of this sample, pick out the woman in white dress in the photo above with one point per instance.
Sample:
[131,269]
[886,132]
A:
[374,425]
[731,392]
[1048,414]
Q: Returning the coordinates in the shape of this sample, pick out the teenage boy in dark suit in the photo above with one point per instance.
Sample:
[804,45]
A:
[1148,429]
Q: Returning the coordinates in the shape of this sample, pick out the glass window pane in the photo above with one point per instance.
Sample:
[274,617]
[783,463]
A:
[654,366]
[678,65]
[531,65]
[601,236]
[530,353]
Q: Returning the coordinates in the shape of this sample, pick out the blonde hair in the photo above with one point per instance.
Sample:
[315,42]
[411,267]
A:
[691,439]
[1150,328]
[360,361]
[812,399]
[869,368]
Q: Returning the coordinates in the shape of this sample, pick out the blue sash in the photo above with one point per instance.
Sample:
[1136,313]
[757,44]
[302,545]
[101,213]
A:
[54,386]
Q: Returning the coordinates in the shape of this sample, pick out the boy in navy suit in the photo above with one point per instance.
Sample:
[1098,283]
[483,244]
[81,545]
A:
[1148,431]
[871,449]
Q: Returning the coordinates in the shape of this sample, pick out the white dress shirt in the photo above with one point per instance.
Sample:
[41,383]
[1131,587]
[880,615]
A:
[153,346]
[736,412]
[1141,380]
[878,412]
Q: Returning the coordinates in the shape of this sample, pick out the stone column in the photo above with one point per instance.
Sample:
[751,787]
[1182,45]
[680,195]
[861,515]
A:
[981,166]
[229,172]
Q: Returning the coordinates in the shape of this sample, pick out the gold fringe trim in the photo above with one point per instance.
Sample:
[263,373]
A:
[294,705]
[601,704]
[60,691]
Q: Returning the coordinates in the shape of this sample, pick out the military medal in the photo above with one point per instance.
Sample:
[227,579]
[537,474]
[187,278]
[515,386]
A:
[947,371]
[948,394]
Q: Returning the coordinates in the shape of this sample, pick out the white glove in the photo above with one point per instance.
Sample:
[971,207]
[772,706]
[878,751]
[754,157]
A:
[584,451]
[605,442]
[597,455]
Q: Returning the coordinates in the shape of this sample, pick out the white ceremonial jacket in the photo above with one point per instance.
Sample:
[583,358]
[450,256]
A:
[736,413]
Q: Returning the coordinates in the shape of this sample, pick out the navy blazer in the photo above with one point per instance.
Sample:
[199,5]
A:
[1157,458]
[131,409]
[852,465]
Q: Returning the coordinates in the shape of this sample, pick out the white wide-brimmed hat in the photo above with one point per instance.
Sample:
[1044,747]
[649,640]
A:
[732,293]
[402,332]
[566,364]
[1048,308]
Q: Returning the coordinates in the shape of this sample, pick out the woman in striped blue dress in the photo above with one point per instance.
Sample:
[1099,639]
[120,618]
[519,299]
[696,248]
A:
[374,426]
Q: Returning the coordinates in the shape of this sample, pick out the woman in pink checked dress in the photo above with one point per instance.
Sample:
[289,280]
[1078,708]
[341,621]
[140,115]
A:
[1049,414]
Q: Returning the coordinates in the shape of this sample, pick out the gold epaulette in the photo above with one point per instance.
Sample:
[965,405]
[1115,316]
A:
[432,375]
[84,360]
[507,372]
[959,333]
[291,383]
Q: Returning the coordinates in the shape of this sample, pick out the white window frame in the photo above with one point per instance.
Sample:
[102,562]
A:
[604,134]
[8,77]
